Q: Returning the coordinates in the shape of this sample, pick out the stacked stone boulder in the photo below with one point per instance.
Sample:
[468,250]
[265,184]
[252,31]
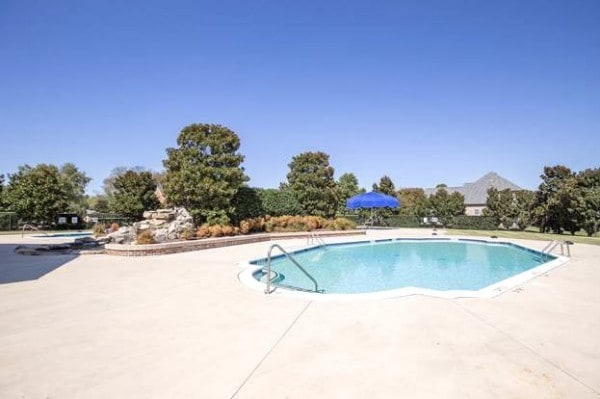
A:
[165,225]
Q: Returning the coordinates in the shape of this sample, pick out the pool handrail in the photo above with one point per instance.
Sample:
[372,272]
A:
[553,244]
[290,257]
[31,227]
[314,237]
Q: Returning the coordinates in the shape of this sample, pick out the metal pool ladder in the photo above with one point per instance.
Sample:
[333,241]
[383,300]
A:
[31,227]
[290,257]
[315,238]
[553,244]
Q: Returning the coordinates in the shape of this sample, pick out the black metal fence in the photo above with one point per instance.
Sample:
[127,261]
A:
[9,221]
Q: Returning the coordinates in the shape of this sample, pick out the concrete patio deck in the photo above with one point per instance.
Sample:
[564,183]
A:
[183,326]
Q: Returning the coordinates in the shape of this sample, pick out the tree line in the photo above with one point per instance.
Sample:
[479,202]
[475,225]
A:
[204,174]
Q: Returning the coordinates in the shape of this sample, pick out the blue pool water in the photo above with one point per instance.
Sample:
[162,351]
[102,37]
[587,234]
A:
[63,235]
[378,266]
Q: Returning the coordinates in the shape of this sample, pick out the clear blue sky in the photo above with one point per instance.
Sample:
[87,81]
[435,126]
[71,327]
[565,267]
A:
[423,91]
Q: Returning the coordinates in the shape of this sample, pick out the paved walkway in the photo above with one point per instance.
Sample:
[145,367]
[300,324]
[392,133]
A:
[182,326]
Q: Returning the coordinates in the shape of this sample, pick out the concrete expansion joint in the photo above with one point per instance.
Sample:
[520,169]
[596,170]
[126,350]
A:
[270,350]
[528,348]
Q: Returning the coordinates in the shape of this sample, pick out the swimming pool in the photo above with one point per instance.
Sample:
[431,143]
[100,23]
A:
[395,267]
[63,235]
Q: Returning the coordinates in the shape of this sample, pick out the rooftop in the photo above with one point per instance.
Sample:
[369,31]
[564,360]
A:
[476,193]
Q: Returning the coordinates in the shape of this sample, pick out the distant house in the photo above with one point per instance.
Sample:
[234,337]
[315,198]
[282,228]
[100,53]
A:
[68,221]
[476,193]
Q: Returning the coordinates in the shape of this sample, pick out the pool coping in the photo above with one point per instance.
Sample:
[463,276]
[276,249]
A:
[62,236]
[491,291]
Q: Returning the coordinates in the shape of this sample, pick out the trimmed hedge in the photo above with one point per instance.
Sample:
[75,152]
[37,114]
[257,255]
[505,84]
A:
[389,221]
[474,222]
[404,221]
[458,222]
[279,202]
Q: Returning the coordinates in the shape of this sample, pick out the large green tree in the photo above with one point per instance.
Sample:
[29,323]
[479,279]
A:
[204,173]
[589,203]
[500,206]
[557,200]
[413,202]
[98,203]
[385,186]
[311,180]
[511,208]
[37,194]
[347,187]
[523,203]
[74,182]
[133,194]
[108,184]
[445,206]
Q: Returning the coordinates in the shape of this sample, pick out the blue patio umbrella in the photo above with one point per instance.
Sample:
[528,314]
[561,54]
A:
[372,200]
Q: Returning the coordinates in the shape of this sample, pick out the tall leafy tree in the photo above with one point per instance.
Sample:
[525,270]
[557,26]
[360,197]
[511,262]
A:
[445,206]
[557,200]
[385,186]
[133,194]
[511,208]
[204,173]
[98,203]
[74,183]
[500,206]
[347,187]
[523,203]
[413,202]
[2,201]
[37,194]
[589,205]
[108,184]
[311,180]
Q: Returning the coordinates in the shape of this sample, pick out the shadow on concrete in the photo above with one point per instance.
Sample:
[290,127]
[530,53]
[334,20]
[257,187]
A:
[16,268]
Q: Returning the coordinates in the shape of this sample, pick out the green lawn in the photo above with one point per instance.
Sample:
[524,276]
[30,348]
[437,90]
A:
[527,235]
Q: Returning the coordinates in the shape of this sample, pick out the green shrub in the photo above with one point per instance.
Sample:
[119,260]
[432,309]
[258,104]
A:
[247,204]
[279,202]
[387,220]
[216,218]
